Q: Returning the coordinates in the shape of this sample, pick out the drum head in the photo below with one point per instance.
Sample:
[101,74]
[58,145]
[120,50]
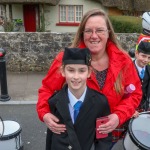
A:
[139,130]
[1,127]
[11,129]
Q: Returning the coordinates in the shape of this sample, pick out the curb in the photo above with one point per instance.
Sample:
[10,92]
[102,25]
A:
[17,102]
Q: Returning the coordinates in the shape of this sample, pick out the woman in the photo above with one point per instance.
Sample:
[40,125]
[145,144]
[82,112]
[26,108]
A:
[113,70]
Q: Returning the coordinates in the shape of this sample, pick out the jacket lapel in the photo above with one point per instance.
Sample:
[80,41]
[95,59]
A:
[148,74]
[116,64]
[148,70]
[62,105]
[136,69]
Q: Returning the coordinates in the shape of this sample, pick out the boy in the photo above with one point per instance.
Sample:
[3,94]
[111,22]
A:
[145,35]
[141,62]
[81,132]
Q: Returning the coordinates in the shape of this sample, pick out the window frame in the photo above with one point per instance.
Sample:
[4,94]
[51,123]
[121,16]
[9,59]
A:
[77,9]
[2,11]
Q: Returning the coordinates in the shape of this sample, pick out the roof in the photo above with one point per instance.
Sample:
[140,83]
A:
[130,5]
[52,2]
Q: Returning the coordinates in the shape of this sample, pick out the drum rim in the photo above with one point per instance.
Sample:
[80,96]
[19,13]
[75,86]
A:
[12,135]
[2,127]
[133,138]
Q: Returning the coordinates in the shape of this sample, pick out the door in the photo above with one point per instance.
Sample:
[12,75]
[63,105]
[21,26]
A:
[29,12]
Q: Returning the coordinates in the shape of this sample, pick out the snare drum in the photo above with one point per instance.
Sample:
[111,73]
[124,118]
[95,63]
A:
[1,127]
[11,139]
[138,135]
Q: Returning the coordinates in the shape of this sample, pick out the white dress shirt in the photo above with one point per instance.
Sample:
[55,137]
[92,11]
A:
[73,100]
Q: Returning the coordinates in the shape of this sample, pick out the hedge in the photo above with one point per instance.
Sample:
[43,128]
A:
[126,24]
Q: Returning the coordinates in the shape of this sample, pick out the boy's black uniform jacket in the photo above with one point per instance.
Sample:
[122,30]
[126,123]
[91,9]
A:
[145,83]
[81,134]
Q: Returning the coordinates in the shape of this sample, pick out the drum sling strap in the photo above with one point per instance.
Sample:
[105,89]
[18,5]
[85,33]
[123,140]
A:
[120,132]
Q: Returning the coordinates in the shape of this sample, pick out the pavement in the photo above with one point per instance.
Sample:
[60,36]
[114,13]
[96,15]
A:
[23,87]
[33,133]
[21,108]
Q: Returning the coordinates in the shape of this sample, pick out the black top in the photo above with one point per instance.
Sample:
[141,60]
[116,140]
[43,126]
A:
[101,77]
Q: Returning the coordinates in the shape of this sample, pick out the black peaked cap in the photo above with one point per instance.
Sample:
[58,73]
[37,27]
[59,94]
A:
[144,47]
[77,56]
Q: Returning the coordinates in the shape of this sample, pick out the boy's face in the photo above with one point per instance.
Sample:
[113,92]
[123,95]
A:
[76,76]
[142,59]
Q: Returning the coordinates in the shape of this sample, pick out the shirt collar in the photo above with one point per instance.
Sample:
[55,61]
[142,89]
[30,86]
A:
[73,99]
[139,68]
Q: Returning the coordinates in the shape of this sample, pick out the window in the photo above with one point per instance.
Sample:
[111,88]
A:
[70,14]
[78,13]
[2,11]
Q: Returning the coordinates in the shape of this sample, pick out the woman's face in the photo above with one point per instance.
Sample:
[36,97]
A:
[96,34]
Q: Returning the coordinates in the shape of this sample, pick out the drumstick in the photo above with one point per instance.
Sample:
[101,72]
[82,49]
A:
[1,127]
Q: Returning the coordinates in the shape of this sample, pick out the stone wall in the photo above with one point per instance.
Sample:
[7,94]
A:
[35,51]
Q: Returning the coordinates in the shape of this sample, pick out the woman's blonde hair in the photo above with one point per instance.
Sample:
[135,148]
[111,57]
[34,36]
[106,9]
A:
[79,38]
[94,12]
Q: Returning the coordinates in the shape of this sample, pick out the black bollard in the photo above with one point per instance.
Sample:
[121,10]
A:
[3,80]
